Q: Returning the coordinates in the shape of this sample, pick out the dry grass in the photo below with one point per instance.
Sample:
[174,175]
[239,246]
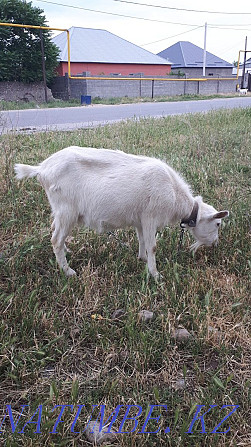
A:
[59,343]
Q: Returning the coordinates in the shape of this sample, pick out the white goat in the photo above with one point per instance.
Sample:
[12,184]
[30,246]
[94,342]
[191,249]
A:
[242,91]
[105,189]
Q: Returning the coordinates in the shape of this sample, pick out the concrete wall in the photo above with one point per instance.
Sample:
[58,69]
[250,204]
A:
[64,88]
[18,91]
[210,72]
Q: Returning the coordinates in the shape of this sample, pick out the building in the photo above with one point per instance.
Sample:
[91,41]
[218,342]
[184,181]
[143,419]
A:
[100,52]
[187,60]
[247,68]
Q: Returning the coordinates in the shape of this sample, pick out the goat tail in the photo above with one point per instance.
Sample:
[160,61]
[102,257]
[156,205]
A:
[26,171]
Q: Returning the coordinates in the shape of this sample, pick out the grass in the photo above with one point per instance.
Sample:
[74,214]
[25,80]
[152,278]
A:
[188,97]
[22,105]
[59,343]
[19,105]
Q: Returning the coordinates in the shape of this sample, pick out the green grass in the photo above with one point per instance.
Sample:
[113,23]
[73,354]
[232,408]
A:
[22,105]
[19,105]
[128,100]
[55,349]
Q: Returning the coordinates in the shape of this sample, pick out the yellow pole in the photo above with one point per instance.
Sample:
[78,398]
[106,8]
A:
[17,25]
[120,78]
[69,58]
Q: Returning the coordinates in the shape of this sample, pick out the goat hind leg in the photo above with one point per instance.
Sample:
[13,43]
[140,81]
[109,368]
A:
[59,235]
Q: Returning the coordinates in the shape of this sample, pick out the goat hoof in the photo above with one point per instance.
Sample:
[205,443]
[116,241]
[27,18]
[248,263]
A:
[70,272]
[157,276]
[142,258]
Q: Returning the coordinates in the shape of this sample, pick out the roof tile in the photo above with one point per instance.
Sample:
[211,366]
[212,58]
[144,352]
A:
[97,45]
[186,54]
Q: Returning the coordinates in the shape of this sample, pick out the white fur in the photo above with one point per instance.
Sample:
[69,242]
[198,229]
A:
[242,91]
[105,189]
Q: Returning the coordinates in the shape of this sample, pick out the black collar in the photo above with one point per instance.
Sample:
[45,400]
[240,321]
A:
[191,221]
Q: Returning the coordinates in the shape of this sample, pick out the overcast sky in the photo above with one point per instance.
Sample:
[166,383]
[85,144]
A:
[159,28]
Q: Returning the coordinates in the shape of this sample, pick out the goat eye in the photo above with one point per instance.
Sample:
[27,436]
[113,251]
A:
[218,224]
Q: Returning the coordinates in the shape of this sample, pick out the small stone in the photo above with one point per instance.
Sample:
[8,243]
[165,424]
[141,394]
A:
[145,315]
[180,384]
[181,334]
[214,333]
[212,329]
[48,372]
[119,313]
[124,355]
[98,437]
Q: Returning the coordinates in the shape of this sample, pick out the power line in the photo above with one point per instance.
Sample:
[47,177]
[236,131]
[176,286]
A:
[225,24]
[135,17]
[230,29]
[237,44]
[185,32]
[170,37]
[182,9]
[115,14]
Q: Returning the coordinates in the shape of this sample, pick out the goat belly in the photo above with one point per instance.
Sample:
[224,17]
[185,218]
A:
[109,207]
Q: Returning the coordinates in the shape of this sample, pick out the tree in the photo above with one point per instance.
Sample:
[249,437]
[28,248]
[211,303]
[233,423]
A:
[20,48]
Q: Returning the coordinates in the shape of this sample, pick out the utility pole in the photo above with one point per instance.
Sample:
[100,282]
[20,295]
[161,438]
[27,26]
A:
[244,65]
[43,65]
[205,51]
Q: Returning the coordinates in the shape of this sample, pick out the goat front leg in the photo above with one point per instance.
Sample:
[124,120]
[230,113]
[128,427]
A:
[142,249]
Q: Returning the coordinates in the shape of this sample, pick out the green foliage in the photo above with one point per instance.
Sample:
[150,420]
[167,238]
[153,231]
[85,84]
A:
[20,48]
[179,74]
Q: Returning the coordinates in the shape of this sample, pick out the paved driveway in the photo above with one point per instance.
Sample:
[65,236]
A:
[88,116]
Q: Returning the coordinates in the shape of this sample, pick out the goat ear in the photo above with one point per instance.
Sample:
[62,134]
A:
[221,214]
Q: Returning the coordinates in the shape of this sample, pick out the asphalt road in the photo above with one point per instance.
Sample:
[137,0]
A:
[71,118]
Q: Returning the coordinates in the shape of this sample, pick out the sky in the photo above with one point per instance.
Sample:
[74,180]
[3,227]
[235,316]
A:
[156,27]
